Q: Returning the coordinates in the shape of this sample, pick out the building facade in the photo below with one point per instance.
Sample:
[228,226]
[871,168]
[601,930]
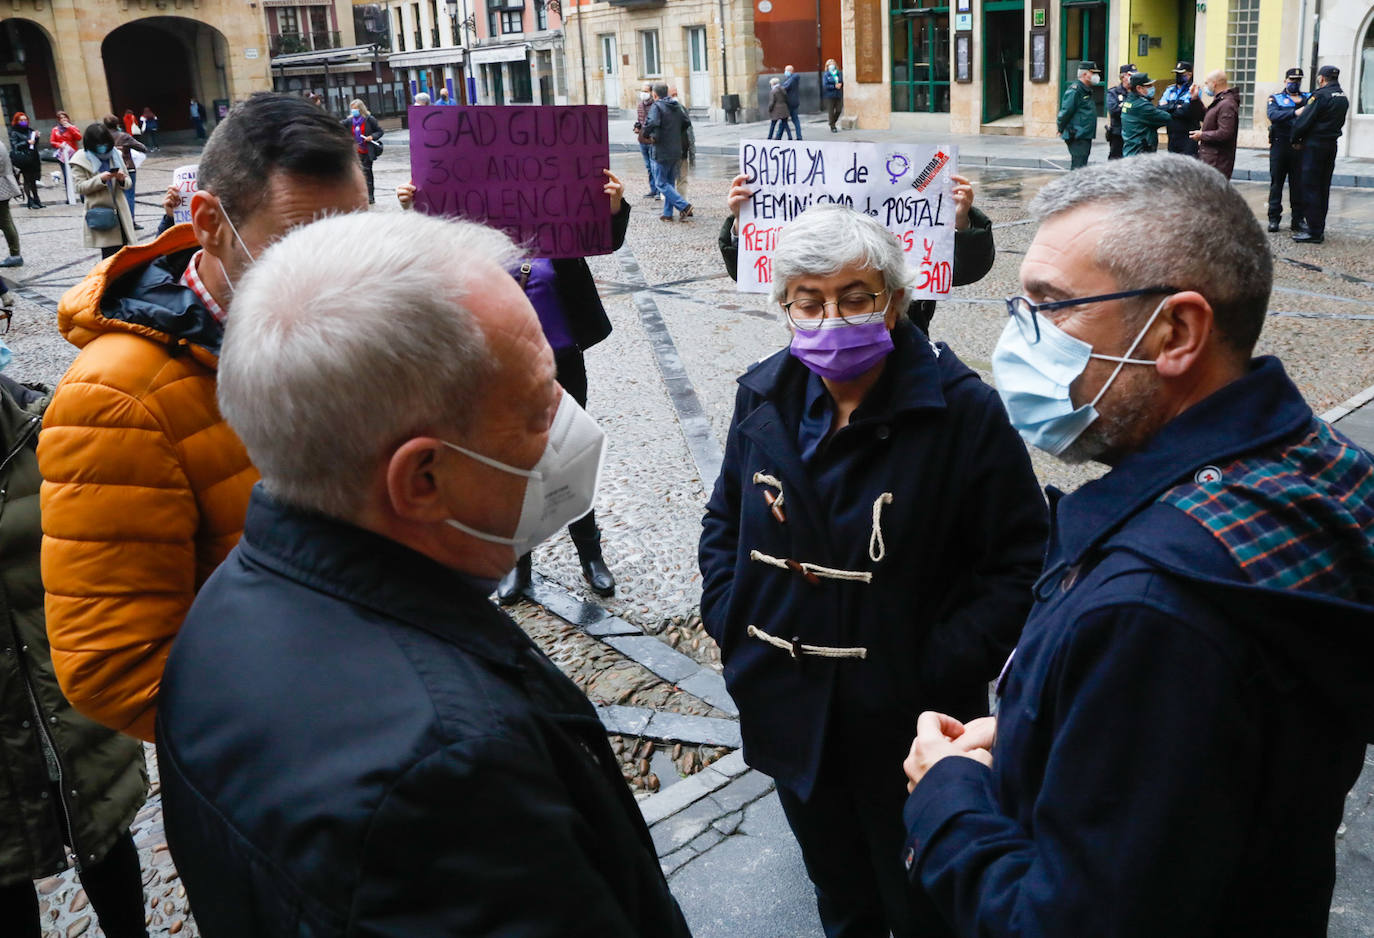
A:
[335,49]
[519,56]
[92,57]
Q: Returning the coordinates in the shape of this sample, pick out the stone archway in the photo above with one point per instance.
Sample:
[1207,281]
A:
[162,62]
[28,75]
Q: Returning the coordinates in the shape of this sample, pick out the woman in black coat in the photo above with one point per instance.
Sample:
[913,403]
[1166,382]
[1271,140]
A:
[570,311]
[24,155]
[867,553]
[366,132]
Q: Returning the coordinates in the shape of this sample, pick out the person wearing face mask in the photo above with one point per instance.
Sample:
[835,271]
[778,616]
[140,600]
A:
[1140,119]
[1285,163]
[353,739]
[145,484]
[1315,132]
[1191,697]
[1115,96]
[646,143]
[1216,138]
[1077,119]
[1182,102]
[24,155]
[366,132]
[99,174]
[867,551]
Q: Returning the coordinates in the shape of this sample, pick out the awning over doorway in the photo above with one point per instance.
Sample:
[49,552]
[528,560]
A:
[490,56]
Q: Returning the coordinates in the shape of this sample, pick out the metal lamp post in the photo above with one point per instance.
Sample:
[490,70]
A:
[469,27]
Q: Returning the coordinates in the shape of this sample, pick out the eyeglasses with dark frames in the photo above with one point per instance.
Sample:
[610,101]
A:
[854,307]
[1026,313]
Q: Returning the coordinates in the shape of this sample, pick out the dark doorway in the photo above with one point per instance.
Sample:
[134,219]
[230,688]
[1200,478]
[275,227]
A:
[28,80]
[148,63]
[1004,24]
[1085,37]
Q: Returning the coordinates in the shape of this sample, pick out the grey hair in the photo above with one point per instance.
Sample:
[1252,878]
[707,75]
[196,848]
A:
[348,336]
[827,238]
[1214,244]
[362,107]
[421,98]
[661,89]
[775,80]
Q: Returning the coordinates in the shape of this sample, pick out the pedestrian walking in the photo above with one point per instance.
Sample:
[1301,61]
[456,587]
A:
[778,120]
[573,320]
[646,143]
[832,90]
[1285,162]
[366,134]
[1216,138]
[99,176]
[974,247]
[131,125]
[1191,698]
[123,559]
[65,134]
[689,152]
[824,527]
[198,118]
[9,189]
[667,126]
[387,743]
[149,124]
[1116,96]
[24,155]
[791,84]
[1140,119]
[127,147]
[1315,132]
[71,788]
[1077,120]
[1181,102]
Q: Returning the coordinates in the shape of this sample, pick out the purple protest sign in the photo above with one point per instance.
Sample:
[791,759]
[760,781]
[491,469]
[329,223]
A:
[533,171]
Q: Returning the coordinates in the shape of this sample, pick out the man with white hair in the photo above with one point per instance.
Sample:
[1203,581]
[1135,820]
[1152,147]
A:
[868,550]
[1191,698]
[421,99]
[353,739]
[1077,118]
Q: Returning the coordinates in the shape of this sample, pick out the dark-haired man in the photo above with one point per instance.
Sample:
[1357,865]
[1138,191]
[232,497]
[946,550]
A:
[1190,700]
[146,486]
[1116,96]
[1316,131]
[1182,103]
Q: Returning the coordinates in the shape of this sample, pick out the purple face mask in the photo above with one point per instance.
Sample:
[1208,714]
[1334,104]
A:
[842,352]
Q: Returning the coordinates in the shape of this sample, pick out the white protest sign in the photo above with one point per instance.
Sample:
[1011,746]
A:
[906,187]
[184,178]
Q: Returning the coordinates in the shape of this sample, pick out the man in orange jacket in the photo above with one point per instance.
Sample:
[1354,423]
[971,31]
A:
[145,486]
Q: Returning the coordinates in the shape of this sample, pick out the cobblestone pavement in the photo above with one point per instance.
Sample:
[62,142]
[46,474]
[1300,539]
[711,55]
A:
[663,387]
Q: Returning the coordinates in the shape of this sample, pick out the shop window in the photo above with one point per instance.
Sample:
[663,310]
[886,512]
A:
[920,57]
[1242,48]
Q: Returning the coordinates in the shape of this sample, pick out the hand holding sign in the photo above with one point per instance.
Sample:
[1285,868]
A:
[910,189]
[535,172]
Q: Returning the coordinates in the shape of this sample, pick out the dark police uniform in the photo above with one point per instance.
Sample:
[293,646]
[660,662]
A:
[1116,96]
[1316,131]
[1284,161]
[1185,113]
[1077,120]
[1140,120]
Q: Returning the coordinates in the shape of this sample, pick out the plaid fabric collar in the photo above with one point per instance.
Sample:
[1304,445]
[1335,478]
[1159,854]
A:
[191,281]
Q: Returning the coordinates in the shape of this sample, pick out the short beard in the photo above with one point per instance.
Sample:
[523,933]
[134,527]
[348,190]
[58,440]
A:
[1125,421]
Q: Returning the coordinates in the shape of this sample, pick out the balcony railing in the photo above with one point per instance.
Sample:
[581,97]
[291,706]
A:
[288,43]
[419,40]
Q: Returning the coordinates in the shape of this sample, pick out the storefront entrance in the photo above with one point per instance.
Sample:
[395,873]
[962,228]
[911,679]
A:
[1085,37]
[1004,63]
[920,57]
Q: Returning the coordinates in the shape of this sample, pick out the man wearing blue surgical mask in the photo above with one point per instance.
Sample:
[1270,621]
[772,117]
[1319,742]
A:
[1285,163]
[1191,699]
[123,559]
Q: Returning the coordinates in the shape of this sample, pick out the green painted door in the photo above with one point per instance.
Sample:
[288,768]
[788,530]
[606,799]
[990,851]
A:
[920,59]
[1084,31]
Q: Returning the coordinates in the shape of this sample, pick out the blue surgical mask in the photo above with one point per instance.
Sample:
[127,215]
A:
[1034,380]
[5,355]
[1293,87]
[102,150]
[355,112]
[1149,92]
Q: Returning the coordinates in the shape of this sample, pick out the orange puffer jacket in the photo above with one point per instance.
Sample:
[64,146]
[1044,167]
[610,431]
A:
[145,486]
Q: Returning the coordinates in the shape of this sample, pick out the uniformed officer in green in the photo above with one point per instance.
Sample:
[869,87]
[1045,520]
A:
[1140,120]
[1078,114]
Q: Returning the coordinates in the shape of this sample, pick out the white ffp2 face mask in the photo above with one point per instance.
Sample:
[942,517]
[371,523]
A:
[562,485]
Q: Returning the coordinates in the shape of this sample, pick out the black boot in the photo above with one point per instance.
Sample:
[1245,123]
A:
[594,568]
[513,585]
[1273,224]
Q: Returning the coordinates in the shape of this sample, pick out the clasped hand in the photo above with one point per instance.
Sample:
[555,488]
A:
[939,735]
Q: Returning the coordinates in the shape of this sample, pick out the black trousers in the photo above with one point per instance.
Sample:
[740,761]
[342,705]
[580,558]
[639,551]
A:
[367,174]
[1114,142]
[1318,163]
[30,171]
[1179,141]
[1285,163]
[1078,152]
[851,835]
[114,886]
[571,369]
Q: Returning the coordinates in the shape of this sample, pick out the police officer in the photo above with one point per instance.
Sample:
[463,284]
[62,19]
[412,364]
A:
[1181,103]
[1077,118]
[1284,161]
[1140,119]
[1116,96]
[1315,131]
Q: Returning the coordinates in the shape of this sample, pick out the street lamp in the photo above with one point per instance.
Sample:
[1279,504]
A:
[469,27]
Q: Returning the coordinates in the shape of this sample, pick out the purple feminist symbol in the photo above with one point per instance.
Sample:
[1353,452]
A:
[897,166]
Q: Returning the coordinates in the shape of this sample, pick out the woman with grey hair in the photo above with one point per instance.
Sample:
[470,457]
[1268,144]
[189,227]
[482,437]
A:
[867,553]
